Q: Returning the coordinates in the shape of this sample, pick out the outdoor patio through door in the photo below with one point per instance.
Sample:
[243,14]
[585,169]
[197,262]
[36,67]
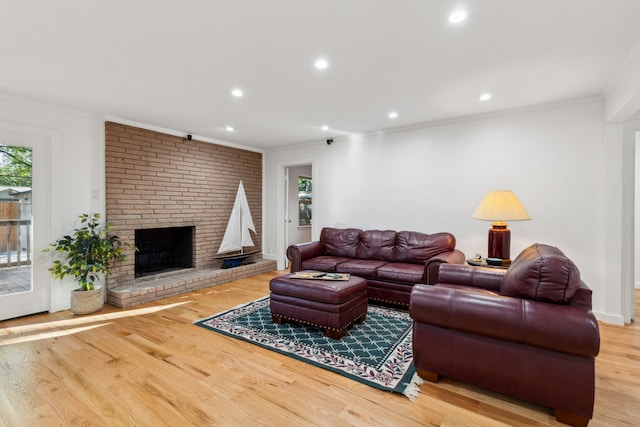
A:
[15,218]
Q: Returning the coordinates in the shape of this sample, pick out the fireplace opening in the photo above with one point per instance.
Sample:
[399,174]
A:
[163,249]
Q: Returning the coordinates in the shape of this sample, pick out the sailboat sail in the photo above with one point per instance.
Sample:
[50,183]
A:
[240,222]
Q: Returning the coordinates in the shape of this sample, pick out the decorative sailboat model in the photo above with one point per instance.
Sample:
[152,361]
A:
[237,237]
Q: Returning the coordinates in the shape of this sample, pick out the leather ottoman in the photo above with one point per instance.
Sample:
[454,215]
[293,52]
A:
[333,305]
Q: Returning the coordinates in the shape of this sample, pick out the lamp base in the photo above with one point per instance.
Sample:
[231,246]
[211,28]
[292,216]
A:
[499,242]
[498,262]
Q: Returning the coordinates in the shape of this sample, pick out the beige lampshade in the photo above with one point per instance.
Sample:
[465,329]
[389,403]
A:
[501,206]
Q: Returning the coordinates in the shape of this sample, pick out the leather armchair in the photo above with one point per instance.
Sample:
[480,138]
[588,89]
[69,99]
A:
[528,332]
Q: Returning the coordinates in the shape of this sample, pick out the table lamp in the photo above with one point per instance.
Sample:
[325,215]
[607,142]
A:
[500,206]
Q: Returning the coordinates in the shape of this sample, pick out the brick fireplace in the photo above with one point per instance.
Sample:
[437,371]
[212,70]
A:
[161,181]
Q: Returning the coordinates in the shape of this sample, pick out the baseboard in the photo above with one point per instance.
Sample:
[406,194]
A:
[609,318]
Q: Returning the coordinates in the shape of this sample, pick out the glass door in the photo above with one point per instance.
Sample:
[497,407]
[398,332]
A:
[21,157]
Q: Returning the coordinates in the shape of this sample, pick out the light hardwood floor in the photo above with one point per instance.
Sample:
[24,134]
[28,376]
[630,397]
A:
[149,366]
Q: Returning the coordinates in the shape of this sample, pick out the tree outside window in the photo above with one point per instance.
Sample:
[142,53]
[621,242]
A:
[304,201]
[15,166]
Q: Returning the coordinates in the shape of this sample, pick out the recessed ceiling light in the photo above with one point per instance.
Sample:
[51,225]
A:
[393,115]
[458,16]
[325,127]
[485,97]
[237,93]
[321,64]
[229,128]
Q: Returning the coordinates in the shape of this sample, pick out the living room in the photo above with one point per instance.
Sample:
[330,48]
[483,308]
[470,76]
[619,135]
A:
[570,161]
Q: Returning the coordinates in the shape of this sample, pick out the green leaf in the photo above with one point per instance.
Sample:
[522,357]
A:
[89,250]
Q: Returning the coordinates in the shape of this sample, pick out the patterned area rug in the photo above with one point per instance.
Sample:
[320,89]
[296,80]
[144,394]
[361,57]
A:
[377,352]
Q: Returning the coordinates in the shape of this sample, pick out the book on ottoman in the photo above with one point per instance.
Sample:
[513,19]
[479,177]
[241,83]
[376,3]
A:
[319,275]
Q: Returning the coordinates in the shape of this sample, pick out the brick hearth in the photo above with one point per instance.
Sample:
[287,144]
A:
[155,180]
[155,288]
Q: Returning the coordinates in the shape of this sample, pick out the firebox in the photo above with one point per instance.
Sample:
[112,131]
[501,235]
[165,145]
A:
[163,249]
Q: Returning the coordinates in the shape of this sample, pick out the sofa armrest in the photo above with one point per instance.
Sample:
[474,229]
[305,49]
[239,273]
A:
[303,251]
[555,327]
[449,257]
[468,276]
[582,298]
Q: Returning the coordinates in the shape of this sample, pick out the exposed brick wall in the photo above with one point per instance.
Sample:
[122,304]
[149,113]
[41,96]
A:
[157,180]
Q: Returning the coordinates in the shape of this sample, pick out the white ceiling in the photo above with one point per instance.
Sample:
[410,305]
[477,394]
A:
[173,64]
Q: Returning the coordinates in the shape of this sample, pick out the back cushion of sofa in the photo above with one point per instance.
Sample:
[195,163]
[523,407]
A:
[376,244]
[340,241]
[413,247]
[543,273]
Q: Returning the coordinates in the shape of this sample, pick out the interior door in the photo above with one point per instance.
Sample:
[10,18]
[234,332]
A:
[23,275]
[299,203]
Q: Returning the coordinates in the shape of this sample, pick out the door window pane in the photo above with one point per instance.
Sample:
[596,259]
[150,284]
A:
[304,201]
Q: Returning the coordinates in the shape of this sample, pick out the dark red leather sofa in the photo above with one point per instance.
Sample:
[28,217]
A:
[391,262]
[528,333]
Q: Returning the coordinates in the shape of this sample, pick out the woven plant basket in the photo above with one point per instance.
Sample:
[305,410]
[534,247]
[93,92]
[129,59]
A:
[85,302]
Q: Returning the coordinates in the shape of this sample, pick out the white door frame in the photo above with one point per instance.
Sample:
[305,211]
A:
[281,208]
[287,220]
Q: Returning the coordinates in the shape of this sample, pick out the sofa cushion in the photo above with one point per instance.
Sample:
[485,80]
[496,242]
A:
[401,273]
[340,242]
[323,263]
[376,244]
[413,247]
[365,268]
[543,273]
[464,275]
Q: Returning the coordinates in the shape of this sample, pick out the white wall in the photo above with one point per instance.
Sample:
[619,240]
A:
[623,91]
[77,172]
[622,114]
[432,178]
[426,179]
[562,162]
[619,216]
[637,212]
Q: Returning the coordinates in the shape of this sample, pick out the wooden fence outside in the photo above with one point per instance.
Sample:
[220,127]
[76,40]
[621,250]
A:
[15,234]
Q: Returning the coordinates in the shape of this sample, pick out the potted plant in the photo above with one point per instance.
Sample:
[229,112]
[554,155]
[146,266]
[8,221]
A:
[86,255]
